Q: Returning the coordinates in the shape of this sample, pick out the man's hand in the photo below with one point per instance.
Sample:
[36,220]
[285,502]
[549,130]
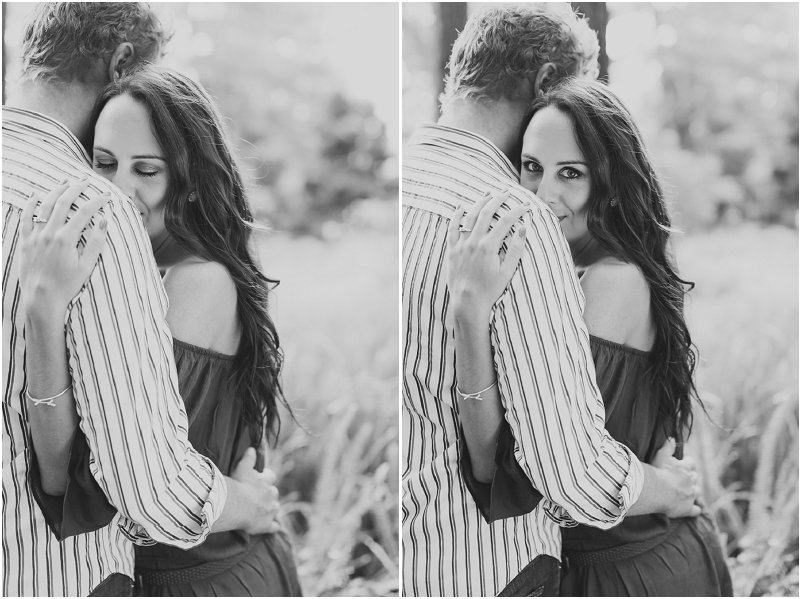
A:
[681,479]
[252,503]
[670,487]
[260,495]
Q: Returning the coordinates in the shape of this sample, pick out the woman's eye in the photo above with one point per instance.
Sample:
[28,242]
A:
[531,166]
[147,173]
[103,165]
[571,173]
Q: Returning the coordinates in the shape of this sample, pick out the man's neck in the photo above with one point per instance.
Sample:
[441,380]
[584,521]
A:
[68,103]
[499,121]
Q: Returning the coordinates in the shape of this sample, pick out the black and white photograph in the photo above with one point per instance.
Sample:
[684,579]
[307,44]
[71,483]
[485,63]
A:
[200,299]
[599,312]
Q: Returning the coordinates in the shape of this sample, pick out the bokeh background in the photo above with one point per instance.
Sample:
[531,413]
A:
[714,88]
[310,92]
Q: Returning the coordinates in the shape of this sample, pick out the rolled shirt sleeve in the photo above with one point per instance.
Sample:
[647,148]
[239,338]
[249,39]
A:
[126,392]
[546,378]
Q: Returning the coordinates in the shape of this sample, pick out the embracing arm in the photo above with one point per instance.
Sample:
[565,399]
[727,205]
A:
[52,271]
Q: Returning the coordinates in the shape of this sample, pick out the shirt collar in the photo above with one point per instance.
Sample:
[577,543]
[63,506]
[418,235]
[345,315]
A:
[465,141]
[47,129]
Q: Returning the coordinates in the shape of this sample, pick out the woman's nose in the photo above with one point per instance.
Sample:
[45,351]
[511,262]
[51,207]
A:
[546,192]
[125,184]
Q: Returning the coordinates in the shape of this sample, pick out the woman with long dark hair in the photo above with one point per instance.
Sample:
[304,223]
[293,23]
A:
[583,155]
[159,137]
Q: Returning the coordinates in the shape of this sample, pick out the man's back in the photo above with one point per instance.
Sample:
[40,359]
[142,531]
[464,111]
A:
[123,382]
[448,547]
[33,159]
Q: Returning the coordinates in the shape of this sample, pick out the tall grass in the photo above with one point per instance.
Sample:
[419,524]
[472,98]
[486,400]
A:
[336,311]
[743,315]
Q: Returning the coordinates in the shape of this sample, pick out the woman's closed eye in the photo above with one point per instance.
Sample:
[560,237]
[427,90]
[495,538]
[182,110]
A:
[146,171]
[105,165]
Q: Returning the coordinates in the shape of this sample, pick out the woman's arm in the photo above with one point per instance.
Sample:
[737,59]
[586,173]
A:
[477,275]
[53,270]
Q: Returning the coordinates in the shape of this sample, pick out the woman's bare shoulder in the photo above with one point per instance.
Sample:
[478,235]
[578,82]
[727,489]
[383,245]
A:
[203,307]
[618,303]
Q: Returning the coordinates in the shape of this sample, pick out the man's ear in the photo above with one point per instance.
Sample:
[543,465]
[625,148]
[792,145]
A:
[544,79]
[122,59]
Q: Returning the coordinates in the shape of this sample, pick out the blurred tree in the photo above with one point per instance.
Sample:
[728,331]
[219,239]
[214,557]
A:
[309,149]
[452,19]
[598,17]
[731,92]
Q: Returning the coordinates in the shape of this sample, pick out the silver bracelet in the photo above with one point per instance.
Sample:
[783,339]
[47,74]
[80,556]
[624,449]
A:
[477,394]
[46,401]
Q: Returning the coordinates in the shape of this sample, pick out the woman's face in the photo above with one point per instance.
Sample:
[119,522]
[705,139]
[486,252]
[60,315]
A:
[553,167]
[127,154]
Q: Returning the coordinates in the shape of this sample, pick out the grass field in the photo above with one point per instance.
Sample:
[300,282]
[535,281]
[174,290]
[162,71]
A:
[743,315]
[336,310]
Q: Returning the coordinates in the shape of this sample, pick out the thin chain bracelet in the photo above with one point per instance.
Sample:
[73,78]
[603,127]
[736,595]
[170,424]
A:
[46,401]
[477,394]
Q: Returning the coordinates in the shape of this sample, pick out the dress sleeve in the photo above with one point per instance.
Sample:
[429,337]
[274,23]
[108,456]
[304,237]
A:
[83,507]
[510,493]
[547,384]
[126,393]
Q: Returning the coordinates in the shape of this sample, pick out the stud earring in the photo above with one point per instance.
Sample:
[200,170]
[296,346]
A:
[192,196]
[613,202]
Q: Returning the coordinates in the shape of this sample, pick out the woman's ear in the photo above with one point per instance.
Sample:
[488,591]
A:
[122,59]
[544,78]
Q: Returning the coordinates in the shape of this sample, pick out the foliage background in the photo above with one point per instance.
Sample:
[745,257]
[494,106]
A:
[714,89]
[310,92]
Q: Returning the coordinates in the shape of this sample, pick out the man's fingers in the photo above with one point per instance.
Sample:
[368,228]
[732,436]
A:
[484,219]
[247,463]
[268,476]
[666,451]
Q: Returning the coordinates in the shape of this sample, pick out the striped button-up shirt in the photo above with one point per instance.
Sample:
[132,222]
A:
[545,376]
[123,380]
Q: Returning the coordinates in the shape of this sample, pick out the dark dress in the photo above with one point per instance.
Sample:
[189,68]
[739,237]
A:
[648,555]
[227,563]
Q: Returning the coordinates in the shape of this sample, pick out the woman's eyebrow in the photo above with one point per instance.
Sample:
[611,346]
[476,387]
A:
[571,162]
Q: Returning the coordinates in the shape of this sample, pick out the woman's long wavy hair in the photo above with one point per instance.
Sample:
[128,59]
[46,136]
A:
[634,228]
[215,225]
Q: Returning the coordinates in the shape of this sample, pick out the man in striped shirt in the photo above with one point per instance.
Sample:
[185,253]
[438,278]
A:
[119,346]
[546,377]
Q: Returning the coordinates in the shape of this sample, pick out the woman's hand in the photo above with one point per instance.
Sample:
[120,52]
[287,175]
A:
[52,266]
[478,270]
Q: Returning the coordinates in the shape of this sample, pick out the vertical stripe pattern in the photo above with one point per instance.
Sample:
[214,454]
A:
[124,383]
[546,379]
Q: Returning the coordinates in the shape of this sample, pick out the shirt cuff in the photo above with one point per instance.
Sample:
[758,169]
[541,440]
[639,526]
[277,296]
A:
[211,510]
[629,493]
